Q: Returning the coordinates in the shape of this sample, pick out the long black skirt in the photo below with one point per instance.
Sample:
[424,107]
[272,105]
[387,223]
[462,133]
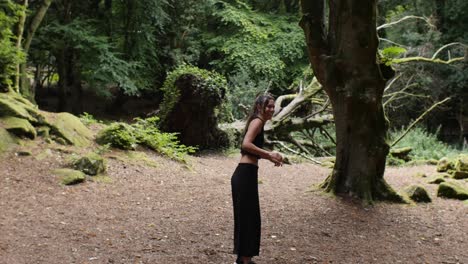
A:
[247,222]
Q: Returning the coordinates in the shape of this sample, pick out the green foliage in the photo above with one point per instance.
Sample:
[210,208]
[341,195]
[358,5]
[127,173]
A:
[99,64]
[9,55]
[260,45]
[144,132]
[211,82]
[88,119]
[390,53]
[425,146]
[148,134]
[118,135]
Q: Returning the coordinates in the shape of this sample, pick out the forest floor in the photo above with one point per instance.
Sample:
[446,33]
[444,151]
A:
[153,210]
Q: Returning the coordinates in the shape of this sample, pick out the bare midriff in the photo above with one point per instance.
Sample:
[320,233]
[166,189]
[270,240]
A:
[246,158]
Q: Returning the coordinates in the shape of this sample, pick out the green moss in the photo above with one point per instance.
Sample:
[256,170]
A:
[459,175]
[212,82]
[461,163]
[12,104]
[70,128]
[43,131]
[452,190]
[401,153]
[436,180]
[445,164]
[18,126]
[418,194]
[6,140]
[91,164]
[69,176]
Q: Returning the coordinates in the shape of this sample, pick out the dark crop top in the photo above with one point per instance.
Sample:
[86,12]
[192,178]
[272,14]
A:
[258,141]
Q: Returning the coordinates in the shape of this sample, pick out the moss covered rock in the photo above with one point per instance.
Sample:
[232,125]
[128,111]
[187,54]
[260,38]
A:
[69,176]
[14,105]
[452,190]
[19,127]
[6,139]
[418,194]
[70,128]
[461,163]
[401,153]
[436,180]
[445,164]
[459,175]
[91,164]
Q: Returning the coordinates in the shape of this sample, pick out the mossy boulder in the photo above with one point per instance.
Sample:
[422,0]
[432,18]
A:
[459,175]
[418,194]
[19,127]
[452,190]
[43,131]
[445,164]
[69,176]
[69,128]
[461,163]
[6,139]
[14,105]
[401,153]
[91,164]
[436,180]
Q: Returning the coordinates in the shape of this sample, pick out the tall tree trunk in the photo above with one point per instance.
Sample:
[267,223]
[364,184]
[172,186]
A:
[344,61]
[19,39]
[24,84]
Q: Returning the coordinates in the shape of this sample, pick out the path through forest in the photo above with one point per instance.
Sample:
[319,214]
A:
[170,214]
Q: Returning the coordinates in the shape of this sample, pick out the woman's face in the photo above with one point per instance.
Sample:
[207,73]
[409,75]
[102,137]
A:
[269,109]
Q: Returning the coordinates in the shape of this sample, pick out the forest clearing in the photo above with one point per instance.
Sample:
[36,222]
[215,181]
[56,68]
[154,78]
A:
[154,210]
[142,131]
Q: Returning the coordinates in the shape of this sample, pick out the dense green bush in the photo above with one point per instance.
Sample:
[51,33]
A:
[144,132]
[118,135]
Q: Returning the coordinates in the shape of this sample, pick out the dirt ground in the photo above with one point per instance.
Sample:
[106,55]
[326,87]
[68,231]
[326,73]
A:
[154,210]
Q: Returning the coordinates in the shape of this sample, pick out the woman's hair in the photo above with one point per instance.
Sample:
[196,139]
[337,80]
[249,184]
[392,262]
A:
[262,101]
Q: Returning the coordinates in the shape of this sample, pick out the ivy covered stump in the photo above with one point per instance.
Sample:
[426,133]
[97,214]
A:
[191,106]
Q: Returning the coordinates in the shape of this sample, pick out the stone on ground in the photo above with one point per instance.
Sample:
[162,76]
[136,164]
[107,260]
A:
[418,194]
[452,190]
[69,176]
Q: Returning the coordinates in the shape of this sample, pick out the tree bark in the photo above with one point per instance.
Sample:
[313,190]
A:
[344,61]
[24,85]
[19,39]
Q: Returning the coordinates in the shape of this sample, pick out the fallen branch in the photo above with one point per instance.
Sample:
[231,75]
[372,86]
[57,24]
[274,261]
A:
[417,120]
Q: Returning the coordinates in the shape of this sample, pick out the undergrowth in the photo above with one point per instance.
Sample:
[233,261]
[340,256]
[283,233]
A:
[425,145]
[144,132]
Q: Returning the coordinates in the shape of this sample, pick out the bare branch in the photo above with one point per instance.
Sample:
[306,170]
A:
[423,59]
[393,81]
[404,19]
[446,46]
[417,120]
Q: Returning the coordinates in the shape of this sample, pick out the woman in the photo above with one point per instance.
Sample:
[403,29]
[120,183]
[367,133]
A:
[244,181]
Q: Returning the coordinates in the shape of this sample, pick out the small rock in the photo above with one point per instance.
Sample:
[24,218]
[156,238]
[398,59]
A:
[418,194]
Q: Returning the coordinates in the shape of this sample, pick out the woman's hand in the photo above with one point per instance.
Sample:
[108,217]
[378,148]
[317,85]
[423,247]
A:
[276,158]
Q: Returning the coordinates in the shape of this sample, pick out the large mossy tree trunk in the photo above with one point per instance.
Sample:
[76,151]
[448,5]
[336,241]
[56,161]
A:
[344,59]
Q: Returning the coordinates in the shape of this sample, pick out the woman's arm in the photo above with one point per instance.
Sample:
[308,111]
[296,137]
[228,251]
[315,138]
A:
[254,128]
